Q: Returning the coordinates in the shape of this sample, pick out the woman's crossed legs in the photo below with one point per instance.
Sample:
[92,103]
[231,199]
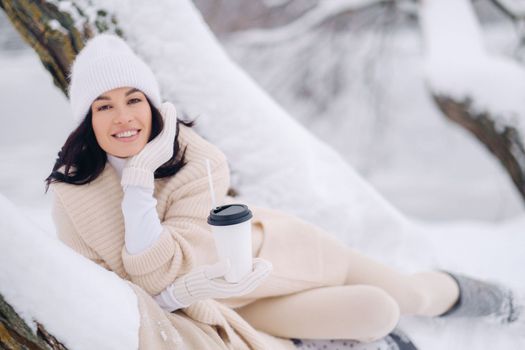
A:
[366,306]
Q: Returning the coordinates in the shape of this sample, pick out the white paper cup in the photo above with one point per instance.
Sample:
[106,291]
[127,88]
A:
[232,232]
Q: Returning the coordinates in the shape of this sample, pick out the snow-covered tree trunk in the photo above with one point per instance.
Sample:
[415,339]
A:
[482,92]
[44,283]
[15,333]
[57,30]
[504,141]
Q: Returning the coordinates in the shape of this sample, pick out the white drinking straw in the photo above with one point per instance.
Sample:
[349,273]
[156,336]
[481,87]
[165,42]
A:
[210,182]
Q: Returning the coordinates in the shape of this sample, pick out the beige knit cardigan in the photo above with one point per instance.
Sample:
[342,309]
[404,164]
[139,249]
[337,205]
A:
[89,219]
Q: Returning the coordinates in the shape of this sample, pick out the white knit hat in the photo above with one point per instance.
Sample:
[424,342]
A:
[107,62]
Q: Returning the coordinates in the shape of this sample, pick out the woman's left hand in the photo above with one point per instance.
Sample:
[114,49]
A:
[139,169]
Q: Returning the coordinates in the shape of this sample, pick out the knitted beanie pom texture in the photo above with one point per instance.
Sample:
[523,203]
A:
[107,62]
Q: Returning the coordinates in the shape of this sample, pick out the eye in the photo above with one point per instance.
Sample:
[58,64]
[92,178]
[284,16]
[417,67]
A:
[134,100]
[103,108]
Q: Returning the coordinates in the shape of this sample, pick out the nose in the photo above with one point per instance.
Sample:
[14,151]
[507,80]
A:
[122,116]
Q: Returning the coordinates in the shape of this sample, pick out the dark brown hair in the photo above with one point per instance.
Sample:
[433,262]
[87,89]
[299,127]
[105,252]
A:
[82,152]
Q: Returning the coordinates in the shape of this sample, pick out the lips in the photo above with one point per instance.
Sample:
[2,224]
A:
[122,131]
[127,139]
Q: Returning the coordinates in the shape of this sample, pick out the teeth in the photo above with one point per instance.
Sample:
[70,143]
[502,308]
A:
[126,133]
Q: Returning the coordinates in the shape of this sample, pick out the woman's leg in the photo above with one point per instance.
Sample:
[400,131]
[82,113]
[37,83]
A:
[428,293]
[358,312]
[323,260]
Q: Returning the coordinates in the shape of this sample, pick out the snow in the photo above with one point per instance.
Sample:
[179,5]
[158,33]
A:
[458,64]
[71,9]
[492,252]
[79,302]
[79,10]
[275,3]
[55,25]
[276,161]
[314,17]
[517,7]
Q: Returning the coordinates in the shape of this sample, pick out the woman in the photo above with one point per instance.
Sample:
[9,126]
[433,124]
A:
[143,216]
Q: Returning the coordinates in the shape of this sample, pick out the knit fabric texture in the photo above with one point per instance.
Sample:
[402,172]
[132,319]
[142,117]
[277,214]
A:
[105,63]
[494,302]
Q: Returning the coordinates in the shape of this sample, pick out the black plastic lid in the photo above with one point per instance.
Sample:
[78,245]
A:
[229,214]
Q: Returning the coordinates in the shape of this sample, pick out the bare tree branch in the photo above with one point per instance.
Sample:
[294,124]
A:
[464,54]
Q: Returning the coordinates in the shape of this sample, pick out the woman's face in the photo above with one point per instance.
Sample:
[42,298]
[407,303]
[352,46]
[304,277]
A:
[121,121]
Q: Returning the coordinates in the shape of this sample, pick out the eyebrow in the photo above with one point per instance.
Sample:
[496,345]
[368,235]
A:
[129,92]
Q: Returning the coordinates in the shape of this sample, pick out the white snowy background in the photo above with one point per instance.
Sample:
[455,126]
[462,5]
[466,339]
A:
[392,177]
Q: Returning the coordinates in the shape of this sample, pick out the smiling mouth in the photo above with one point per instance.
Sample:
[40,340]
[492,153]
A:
[127,137]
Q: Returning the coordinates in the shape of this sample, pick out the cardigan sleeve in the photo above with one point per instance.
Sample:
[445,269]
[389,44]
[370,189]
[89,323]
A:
[185,235]
[67,233]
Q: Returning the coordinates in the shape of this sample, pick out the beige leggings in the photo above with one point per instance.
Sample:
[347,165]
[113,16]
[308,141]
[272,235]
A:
[365,308]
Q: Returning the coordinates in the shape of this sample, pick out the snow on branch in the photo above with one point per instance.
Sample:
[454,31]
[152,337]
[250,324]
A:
[56,30]
[319,14]
[275,3]
[512,8]
[461,73]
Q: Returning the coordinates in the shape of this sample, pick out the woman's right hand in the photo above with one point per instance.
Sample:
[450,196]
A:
[206,282]
[139,168]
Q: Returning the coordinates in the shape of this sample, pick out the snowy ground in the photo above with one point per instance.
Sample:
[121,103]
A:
[435,173]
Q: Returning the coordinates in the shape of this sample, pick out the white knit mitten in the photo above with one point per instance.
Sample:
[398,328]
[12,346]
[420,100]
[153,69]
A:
[204,282]
[139,169]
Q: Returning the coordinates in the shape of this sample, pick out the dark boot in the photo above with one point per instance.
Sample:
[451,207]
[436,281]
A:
[396,340]
[399,341]
[490,301]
